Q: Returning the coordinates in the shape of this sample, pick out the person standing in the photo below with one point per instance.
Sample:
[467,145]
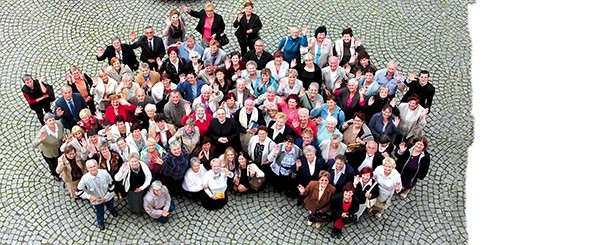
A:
[97,186]
[38,95]
[49,141]
[248,25]
[136,177]
[153,47]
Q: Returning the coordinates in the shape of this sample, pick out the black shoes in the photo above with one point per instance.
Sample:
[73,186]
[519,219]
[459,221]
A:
[101,227]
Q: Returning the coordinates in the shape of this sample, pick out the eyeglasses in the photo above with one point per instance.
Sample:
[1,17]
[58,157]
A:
[194,57]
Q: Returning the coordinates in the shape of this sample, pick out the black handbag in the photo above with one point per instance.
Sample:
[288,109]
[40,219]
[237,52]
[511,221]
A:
[319,217]
[223,40]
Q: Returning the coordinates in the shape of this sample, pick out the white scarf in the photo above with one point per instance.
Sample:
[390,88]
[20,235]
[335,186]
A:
[244,117]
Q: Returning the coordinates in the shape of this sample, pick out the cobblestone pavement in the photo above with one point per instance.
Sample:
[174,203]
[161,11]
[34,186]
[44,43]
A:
[45,37]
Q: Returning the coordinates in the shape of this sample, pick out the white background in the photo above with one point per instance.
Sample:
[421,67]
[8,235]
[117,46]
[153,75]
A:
[533,171]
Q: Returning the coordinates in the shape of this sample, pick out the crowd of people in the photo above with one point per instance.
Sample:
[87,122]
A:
[315,120]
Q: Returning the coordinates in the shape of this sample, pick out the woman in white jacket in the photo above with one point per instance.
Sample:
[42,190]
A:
[260,149]
[102,87]
[215,185]
[136,177]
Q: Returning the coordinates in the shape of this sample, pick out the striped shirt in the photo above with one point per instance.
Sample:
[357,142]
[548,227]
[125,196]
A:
[98,186]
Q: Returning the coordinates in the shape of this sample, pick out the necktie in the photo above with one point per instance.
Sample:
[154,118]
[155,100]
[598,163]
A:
[150,44]
[72,108]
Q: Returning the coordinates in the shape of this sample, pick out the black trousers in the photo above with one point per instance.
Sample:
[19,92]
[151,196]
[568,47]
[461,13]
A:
[52,164]
[41,110]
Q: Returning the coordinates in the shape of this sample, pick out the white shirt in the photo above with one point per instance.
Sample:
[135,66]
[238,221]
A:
[311,166]
[368,162]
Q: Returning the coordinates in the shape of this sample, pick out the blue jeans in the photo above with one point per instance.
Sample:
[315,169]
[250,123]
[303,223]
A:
[164,219]
[110,206]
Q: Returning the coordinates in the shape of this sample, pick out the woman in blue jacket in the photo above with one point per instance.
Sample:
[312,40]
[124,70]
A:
[290,44]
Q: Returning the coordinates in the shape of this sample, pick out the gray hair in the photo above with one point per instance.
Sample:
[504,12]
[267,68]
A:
[101,72]
[240,80]
[331,119]
[134,155]
[90,163]
[48,115]
[205,88]
[174,145]
[251,62]
[190,36]
[309,149]
[303,110]
[150,107]
[115,39]
[157,185]
[190,122]
[126,76]
[198,106]
[194,52]
[144,65]
[354,81]
[195,160]
[26,77]
[314,85]
[334,137]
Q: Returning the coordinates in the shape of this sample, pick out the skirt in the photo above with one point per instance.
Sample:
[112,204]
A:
[136,201]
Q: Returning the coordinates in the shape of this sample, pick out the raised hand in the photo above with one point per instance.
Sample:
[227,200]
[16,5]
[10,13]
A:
[304,30]
[185,9]
[424,112]
[293,63]
[396,121]
[100,52]
[357,42]
[69,79]
[59,111]
[371,100]
[43,136]
[402,147]
[132,36]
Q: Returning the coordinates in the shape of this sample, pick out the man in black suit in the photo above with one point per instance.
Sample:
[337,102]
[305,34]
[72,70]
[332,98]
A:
[360,158]
[67,107]
[122,51]
[259,55]
[153,47]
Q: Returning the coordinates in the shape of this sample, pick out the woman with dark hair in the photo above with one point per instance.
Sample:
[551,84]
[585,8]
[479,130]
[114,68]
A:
[38,95]
[174,28]
[343,208]
[347,47]
[205,152]
[290,44]
[357,134]
[173,66]
[320,46]
[260,148]
[290,107]
[71,169]
[248,25]
[365,190]
[230,105]
[137,138]
[377,101]
[234,65]
[210,24]
[265,81]
[279,67]
[385,122]
[413,164]
[223,81]
[364,62]
[248,176]
[412,117]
